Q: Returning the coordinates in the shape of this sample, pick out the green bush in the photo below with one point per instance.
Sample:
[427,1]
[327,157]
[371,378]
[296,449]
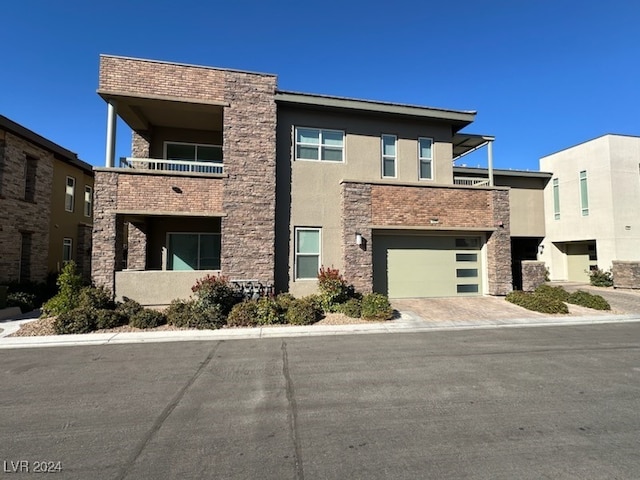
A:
[352,308]
[557,293]
[333,288]
[267,312]
[192,314]
[105,318]
[303,311]
[244,314]
[147,318]
[26,301]
[537,303]
[78,320]
[69,285]
[129,308]
[284,300]
[588,300]
[41,291]
[96,297]
[216,290]
[601,278]
[376,306]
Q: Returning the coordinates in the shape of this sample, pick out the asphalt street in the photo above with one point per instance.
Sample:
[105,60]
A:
[525,403]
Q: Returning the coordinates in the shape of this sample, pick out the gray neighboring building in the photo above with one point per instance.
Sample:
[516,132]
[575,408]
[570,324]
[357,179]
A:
[592,206]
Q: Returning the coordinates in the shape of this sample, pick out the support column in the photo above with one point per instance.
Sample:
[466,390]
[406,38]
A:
[490,161]
[112,115]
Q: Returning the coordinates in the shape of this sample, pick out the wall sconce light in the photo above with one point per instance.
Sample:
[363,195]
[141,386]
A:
[434,220]
[541,249]
[176,189]
[358,239]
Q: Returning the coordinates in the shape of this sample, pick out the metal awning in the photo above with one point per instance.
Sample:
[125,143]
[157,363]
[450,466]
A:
[465,143]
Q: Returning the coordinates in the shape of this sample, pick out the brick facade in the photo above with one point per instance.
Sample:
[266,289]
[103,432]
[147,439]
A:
[20,218]
[626,274]
[534,274]
[429,207]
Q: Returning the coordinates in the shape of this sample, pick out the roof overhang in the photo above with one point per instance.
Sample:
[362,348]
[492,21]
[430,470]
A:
[141,112]
[465,143]
[457,118]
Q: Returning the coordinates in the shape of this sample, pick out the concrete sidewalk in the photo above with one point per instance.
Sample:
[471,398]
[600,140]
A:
[408,322]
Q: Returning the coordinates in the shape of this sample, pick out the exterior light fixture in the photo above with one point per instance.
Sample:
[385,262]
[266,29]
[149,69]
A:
[176,189]
[358,239]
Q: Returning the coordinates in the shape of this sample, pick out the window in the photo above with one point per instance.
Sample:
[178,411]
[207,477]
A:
[425,158]
[584,194]
[69,194]
[317,144]
[193,152]
[389,156]
[88,200]
[307,261]
[30,167]
[67,249]
[193,251]
[26,241]
[556,199]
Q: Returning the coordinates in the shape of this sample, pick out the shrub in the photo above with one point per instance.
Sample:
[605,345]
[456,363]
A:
[69,284]
[267,312]
[147,318]
[105,318]
[557,293]
[284,300]
[244,314]
[352,308]
[41,291]
[376,306]
[316,301]
[601,278]
[333,288]
[216,290]
[96,297]
[191,314]
[537,303]
[129,308]
[588,300]
[78,320]
[302,311]
[26,301]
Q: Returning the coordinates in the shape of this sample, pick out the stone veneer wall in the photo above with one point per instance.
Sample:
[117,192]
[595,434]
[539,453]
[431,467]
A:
[626,274]
[534,274]
[455,208]
[137,245]
[18,215]
[83,250]
[356,217]
[249,151]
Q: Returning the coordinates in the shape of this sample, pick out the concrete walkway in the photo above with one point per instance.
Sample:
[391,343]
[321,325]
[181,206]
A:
[416,315]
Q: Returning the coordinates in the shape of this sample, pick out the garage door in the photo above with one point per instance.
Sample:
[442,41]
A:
[412,266]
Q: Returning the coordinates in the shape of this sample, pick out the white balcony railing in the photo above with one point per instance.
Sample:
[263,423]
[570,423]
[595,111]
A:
[171,165]
[471,181]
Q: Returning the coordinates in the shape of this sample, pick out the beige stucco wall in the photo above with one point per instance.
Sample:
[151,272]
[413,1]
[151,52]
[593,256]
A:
[62,223]
[527,212]
[157,287]
[315,186]
[612,166]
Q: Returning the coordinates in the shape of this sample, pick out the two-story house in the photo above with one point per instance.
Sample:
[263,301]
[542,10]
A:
[46,206]
[229,174]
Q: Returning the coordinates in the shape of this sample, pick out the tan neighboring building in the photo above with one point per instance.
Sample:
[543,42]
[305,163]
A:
[230,175]
[592,207]
[46,196]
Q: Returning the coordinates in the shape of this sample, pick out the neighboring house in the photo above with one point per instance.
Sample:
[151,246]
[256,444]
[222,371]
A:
[592,207]
[230,175]
[46,196]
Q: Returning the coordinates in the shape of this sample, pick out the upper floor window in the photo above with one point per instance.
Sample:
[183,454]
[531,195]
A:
[30,167]
[193,152]
[556,199]
[389,156]
[425,158]
[319,144]
[584,194]
[88,200]
[69,194]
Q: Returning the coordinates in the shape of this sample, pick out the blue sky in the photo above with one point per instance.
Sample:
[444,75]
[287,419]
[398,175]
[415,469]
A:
[542,75]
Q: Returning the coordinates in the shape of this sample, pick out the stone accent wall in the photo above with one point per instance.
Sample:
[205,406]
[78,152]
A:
[139,146]
[533,275]
[137,246]
[83,250]
[626,274]
[454,208]
[18,215]
[356,217]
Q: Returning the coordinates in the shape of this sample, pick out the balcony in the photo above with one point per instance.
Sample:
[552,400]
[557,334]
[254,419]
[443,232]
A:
[183,166]
[471,181]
